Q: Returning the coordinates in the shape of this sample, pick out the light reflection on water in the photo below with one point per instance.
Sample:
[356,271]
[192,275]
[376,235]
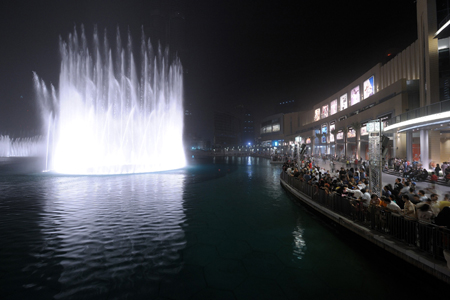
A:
[221,225]
[93,234]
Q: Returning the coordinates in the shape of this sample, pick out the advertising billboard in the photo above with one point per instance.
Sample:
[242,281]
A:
[324,111]
[355,96]
[340,135]
[368,88]
[351,133]
[343,100]
[317,114]
[333,107]
[364,129]
[332,127]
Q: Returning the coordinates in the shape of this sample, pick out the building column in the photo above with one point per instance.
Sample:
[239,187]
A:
[424,153]
[409,154]
[434,146]
[394,145]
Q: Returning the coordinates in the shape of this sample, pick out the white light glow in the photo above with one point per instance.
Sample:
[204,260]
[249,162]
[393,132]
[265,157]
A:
[442,28]
[105,119]
[416,121]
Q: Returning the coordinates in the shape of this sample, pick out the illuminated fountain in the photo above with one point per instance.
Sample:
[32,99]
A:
[22,147]
[104,118]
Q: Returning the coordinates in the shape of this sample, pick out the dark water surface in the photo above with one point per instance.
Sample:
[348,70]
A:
[222,229]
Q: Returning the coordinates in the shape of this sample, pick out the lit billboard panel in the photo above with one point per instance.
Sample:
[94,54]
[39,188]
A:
[324,132]
[368,88]
[355,96]
[317,114]
[343,100]
[364,129]
[351,133]
[324,111]
[340,135]
[332,127]
[333,107]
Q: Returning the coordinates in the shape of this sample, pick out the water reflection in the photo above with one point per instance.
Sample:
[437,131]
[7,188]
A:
[299,242]
[113,232]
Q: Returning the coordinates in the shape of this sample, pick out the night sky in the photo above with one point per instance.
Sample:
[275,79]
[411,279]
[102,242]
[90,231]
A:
[250,53]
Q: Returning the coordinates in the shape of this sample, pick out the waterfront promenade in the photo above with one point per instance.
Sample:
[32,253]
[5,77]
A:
[387,178]
[392,232]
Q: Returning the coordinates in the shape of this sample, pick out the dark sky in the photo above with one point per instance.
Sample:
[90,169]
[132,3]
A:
[255,53]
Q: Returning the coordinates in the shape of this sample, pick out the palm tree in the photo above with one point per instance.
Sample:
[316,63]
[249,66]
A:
[334,132]
[357,128]
[345,131]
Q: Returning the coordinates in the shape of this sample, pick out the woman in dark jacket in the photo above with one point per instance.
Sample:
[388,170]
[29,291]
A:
[437,170]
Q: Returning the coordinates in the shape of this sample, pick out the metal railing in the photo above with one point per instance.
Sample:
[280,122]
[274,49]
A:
[431,109]
[426,237]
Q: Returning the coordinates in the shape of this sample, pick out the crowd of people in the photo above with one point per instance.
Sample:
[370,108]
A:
[402,197]
[416,171]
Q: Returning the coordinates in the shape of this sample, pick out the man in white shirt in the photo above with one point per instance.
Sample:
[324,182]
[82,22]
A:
[392,206]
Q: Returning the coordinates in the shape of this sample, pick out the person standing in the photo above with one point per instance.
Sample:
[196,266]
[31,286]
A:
[437,170]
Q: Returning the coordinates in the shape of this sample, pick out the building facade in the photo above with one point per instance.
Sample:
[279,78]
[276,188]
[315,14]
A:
[410,94]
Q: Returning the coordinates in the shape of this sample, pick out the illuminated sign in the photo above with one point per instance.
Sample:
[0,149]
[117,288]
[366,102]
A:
[368,88]
[340,135]
[351,133]
[332,127]
[364,129]
[308,141]
[333,107]
[317,114]
[343,100]
[324,111]
[354,96]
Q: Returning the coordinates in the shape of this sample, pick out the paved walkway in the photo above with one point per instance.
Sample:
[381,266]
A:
[440,189]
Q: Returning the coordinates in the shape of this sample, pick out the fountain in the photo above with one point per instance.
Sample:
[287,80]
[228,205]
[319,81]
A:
[104,118]
[22,147]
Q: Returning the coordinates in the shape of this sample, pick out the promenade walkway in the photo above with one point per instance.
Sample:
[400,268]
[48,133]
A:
[441,189]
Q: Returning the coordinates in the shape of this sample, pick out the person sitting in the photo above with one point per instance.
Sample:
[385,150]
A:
[424,213]
[444,203]
[423,175]
[409,210]
[365,197]
[391,206]
[433,178]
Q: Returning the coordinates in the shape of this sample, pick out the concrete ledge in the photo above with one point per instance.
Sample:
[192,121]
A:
[409,254]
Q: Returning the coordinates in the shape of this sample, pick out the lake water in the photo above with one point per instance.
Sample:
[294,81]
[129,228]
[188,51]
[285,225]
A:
[221,228]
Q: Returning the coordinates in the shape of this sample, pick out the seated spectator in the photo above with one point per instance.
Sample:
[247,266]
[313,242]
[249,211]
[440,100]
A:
[409,210]
[422,195]
[445,202]
[361,185]
[424,213]
[434,204]
[391,205]
[433,178]
[374,201]
[365,197]
[355,193]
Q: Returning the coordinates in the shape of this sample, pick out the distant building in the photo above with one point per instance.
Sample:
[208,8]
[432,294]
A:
[227,129]
[409,93]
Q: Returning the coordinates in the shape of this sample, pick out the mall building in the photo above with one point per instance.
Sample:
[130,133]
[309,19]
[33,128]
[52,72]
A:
[410,94]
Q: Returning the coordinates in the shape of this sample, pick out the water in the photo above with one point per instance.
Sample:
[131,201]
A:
[219,229]
[105,119]
[22,147]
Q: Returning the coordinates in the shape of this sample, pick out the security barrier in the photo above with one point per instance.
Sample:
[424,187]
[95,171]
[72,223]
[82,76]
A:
[426,237]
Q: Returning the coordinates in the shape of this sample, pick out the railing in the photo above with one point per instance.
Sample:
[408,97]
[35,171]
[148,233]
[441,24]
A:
[426,237]
[431,109]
